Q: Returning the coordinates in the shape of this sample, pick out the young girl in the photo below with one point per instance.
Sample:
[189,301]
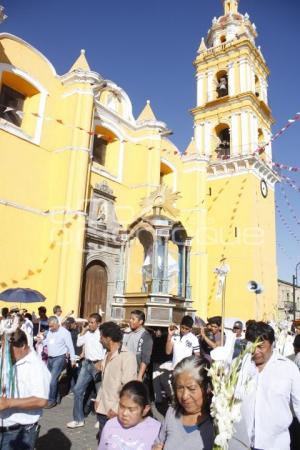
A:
[131,429]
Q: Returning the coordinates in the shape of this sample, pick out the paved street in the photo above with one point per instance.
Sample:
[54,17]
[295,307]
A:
[54,434]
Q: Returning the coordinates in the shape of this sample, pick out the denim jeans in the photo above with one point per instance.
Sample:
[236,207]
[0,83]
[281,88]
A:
[102,419]
[24,438]
[86,375]
[55,366]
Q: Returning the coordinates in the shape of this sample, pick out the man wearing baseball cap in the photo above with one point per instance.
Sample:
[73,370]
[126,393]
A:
[240,342]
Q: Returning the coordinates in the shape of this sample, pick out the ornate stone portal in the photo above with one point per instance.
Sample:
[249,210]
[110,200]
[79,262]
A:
[103,248]
[162,279]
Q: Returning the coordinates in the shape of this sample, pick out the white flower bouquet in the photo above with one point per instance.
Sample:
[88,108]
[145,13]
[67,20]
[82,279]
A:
[226,402]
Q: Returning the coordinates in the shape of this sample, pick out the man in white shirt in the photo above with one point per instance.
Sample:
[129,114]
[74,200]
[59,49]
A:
[60,347]
[20,415]
[57,311]
[91,366]
[184,344]
[266,413]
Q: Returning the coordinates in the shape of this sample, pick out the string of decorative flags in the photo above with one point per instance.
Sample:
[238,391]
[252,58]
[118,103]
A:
[285,167]
[283,220]
[284,251]
[35,271]
[213,200]
[235,209]
[290,207]
[292,183]
[21,114]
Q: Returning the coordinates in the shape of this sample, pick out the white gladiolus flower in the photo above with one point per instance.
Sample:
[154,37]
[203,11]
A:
[226,404]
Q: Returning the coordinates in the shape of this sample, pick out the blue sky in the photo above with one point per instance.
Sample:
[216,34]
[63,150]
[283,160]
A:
[147,47]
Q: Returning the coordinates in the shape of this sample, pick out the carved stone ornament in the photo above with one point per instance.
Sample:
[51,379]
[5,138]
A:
[104,188]
[162,198]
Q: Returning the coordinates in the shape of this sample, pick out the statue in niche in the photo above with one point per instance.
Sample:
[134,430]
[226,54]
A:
[101,215]
[172,271]
[222,88]
[147,270]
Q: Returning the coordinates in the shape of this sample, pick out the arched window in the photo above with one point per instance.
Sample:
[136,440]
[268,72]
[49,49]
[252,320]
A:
[167,175]
[222,83]
[257,87]
[223,134]
[22,103]
[261,141]
[223,39]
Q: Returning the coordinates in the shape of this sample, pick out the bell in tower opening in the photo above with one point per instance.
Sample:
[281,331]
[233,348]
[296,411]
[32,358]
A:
[222,88]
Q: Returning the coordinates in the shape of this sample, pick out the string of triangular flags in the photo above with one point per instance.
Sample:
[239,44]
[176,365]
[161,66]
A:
[35,271]
[259,150]
[235,208]
[283,220]
[290,207]
[285,167]
[285,252]
[292,183]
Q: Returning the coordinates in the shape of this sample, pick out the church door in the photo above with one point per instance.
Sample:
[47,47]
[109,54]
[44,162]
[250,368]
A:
[94,289]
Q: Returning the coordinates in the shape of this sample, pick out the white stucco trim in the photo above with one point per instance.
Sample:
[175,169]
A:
[26,44]
[100,170]
[72,149]
[40,212]
[199,168]
[254,172]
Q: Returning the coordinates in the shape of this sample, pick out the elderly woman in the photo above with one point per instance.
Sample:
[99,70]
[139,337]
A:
[188,425]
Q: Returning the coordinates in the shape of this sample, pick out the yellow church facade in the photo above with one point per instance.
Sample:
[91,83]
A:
[101,211]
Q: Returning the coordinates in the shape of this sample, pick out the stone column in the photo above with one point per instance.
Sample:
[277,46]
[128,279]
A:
[188,286]
[155,276]
[183,271]
[253,133]
[207,138]
[245,132]
[243,75]
[180,247]
[252,72]
[120,283]
[165,280]
[200,90]
[199,133]
[231,79]
[234,135]
[210,86]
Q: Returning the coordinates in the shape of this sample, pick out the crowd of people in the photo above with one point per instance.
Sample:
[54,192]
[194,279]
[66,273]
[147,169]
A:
[149,388]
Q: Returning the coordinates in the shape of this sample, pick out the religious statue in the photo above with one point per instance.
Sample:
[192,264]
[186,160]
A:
[101,212]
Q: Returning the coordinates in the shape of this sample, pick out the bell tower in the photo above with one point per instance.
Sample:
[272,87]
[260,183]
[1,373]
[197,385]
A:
[232,129]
